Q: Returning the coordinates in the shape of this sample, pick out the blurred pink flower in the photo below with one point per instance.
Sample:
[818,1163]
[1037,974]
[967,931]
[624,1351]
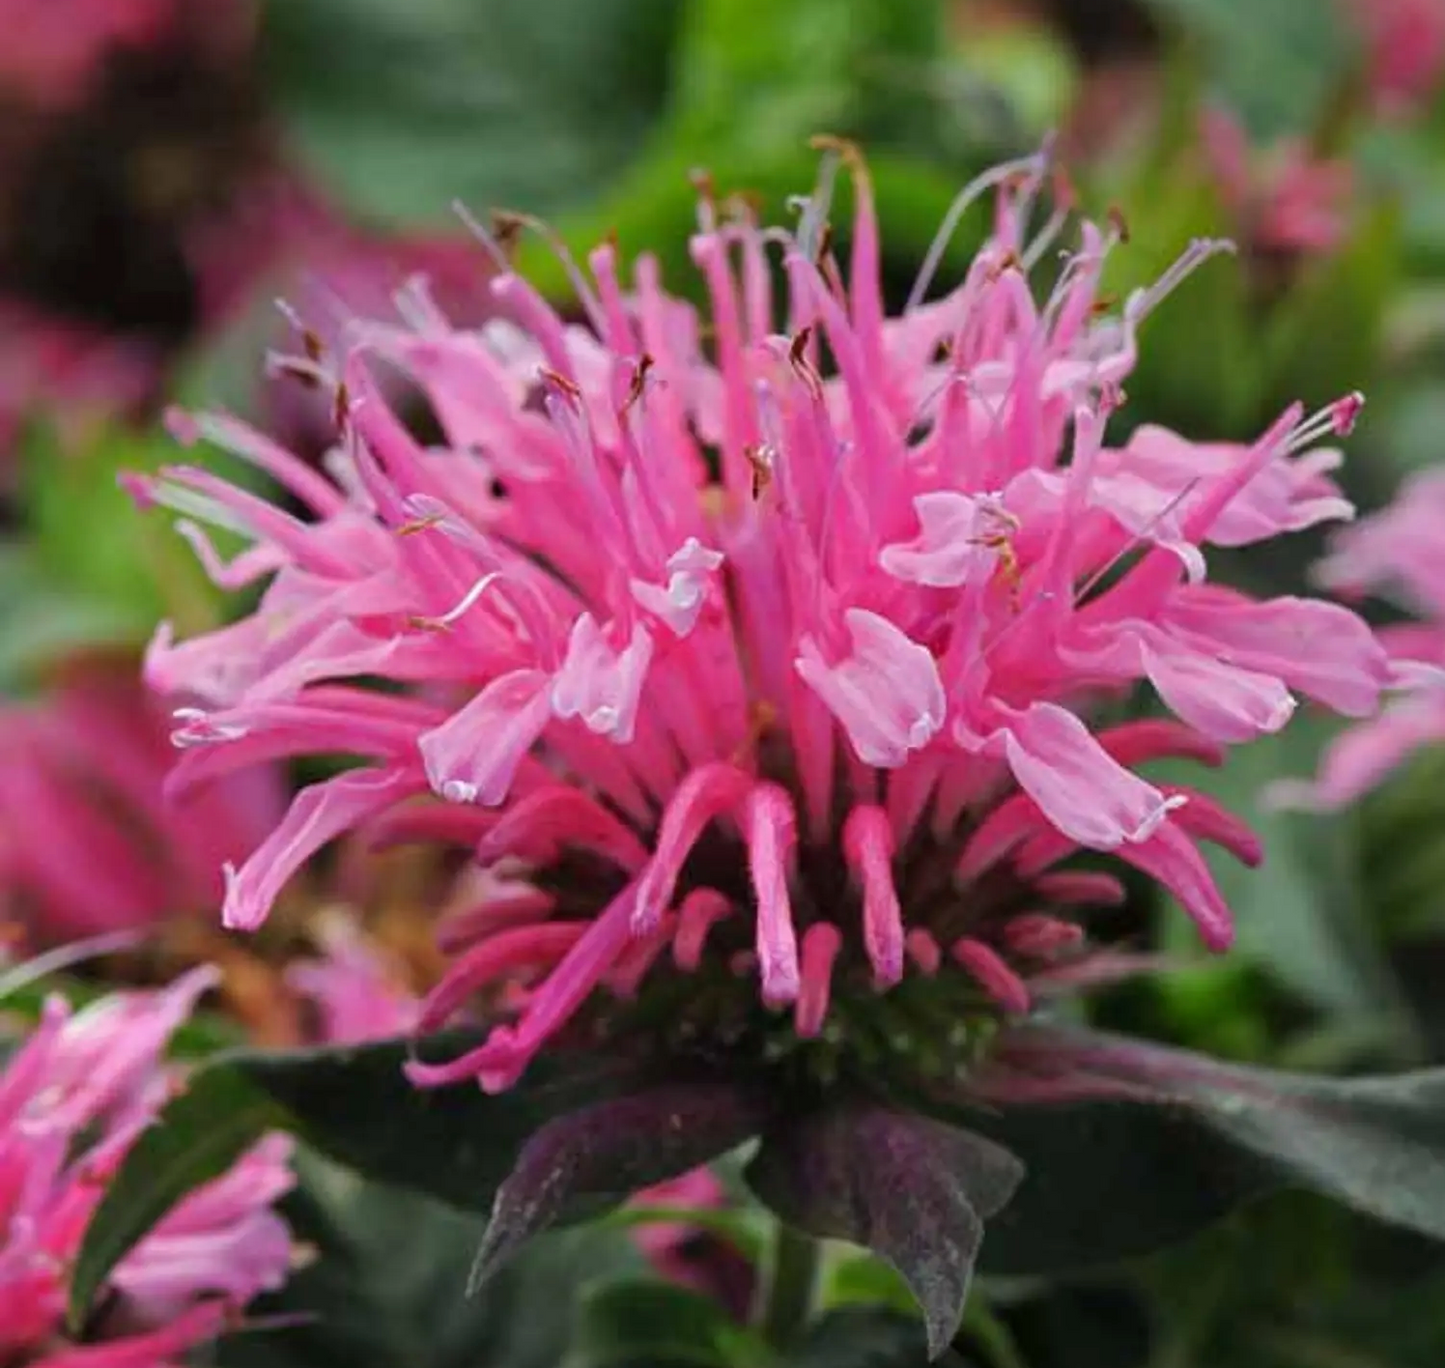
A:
[146,200]
[77,374]
[53,48]
[737,670]
[1405,50]
[688,1255]
[1399,551]
[89,843]
[356,994]
[72,1100]
[1285,201]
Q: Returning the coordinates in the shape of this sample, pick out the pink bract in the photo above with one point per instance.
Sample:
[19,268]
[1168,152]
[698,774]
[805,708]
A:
[766,646]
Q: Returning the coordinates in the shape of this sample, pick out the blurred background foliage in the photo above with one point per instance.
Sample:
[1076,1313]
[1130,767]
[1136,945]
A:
[153,207]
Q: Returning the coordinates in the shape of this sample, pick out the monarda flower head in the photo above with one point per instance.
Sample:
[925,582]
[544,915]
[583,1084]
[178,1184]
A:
[755,656]
[73,1099]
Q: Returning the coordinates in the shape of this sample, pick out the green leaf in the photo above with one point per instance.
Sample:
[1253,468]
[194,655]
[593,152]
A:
[386,1286]
[871,1338]
[654,209]
[352,1104]
[1276,62]
[913,1191]
[1323,340]
[1301,915]
[857,1278]
[203,1132]
[755,76]
[644,1323]
[119,571]
[1130,1147]
[41,622]
[744,1228]
[1197,370]
[401,109]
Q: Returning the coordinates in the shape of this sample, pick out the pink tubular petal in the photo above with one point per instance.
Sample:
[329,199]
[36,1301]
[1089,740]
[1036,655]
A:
[1173,859]
[1084,792]
[1159,738]
[868,848]
[499,903]
[886,693]
[637,960]
[992,974]
[1012,822]
[429,823]
[231,434]
[474,755]
[1041,936]
[923,951]
[537,828]
[690,569]
[821,943]
[1206,819]
[318,815]
[771,830]
[1080,888]
[700,910]
[504,1057]
[502,955]
[707,793]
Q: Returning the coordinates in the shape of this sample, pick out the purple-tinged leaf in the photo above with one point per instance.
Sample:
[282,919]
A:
[912,1190]
[1131,1146]
[599,1156]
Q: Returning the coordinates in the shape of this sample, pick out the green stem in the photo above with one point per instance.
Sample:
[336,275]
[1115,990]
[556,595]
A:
[787,1301]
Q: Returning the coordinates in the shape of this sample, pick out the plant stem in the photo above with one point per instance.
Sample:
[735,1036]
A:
[787,1301]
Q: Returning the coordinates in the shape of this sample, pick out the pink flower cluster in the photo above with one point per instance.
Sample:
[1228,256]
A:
[765,646]
[1399,550]
[72,1101]
[88,842]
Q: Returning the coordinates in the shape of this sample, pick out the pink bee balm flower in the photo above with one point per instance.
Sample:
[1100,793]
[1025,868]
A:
[1397,550]
[1405,49]
[52,52]
[766,650]
[687,1254]
[351,988]
[89,843]
[72,1100]
[1285,201]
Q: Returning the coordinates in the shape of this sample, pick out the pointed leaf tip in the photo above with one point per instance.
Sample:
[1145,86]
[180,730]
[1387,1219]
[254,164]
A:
[914,1191]
[600,1155]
